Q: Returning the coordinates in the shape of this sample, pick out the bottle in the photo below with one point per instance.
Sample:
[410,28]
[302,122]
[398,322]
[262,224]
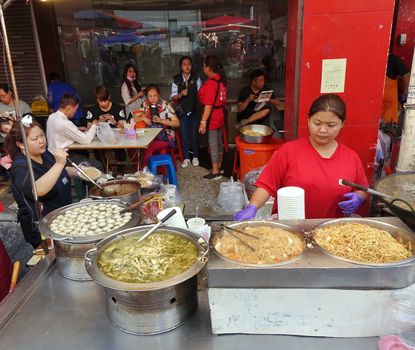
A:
[401,320]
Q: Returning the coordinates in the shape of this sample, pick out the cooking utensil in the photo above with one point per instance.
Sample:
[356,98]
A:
[15,275]
[230,231]
[156,226]
[105,192]
[70,250]
[390,198]
[128,191]
[137,204]
[265,131]
[238,231]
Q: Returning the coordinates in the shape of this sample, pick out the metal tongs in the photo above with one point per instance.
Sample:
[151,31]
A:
[231,231]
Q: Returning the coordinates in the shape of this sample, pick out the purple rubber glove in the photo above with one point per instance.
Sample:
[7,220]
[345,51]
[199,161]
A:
[352,204]
[246,214]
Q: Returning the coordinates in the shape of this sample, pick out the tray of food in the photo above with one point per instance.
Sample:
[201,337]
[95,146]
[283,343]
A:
[373,253]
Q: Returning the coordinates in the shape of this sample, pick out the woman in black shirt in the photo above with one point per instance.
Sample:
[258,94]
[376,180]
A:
[52,180]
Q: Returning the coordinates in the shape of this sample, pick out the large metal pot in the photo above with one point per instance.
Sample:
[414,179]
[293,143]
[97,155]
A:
[397,232]
[265,131]
[70,250]
[149,308]
[128,191]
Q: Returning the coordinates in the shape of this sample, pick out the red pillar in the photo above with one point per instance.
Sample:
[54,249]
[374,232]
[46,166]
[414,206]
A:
[358,30]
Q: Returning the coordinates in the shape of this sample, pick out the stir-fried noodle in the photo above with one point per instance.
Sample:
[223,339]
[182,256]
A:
[273,246]
[361,242]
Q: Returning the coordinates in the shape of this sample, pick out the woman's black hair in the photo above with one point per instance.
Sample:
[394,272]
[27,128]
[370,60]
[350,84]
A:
[329,103]
[14,136]
[131,84]
[185,58]
[213,63]
[6,87]
[152,87]
[102,93]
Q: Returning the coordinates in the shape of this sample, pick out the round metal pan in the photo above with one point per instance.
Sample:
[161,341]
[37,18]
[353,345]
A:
[397,232]
[400,186]
[241,225]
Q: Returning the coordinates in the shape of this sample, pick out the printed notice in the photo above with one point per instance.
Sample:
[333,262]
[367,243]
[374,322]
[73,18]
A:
[333,75]
[180,44]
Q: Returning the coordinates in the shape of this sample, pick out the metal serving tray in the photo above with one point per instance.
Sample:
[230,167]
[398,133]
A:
[315,269]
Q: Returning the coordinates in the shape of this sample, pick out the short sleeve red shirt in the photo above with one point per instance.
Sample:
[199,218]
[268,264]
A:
[207,95]
[298,164]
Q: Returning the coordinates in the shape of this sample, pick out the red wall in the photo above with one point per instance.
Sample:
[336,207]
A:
[405,23]
[358,30]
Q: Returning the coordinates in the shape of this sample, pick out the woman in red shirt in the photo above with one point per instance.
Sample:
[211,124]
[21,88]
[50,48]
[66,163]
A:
[213,96]
[315,164]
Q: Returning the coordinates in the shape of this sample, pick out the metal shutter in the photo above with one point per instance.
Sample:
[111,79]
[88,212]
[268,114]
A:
[23,51]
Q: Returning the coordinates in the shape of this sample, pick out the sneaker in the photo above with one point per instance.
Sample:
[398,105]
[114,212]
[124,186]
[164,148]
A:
[185,163]
[212,176]
[195,161]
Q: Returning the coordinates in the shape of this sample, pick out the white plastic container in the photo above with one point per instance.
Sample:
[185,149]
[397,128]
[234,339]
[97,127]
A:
[291,203]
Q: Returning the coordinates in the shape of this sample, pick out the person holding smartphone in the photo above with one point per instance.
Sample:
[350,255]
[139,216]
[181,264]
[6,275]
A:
[105,110]
[132,92]
[157,113]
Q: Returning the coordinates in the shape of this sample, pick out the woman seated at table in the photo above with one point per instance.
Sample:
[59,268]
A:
[157,113]
[105,110]
[52,179]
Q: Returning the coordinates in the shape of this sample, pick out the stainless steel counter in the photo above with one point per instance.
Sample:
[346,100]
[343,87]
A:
[315,269]
[47,311]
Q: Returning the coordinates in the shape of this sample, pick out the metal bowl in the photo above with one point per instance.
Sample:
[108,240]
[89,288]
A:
[243,224]
[155,307]
[266,133]
[128,191]
[70,250]
[398,233]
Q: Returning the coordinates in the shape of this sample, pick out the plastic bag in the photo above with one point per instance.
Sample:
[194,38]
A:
[231,196]
[250,177]
[106,134]
[171,196]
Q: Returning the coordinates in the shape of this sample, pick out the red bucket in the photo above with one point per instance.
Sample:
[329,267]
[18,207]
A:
[253,155]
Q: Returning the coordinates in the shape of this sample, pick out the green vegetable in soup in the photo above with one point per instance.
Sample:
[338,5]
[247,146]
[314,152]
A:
[159,257]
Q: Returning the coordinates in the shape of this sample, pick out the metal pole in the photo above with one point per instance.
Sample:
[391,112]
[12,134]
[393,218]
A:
[7,4]
[406,159]
[18,111]
[38,49]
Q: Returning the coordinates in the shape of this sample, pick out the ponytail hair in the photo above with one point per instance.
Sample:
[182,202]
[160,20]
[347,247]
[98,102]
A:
[15,136]
[213,63]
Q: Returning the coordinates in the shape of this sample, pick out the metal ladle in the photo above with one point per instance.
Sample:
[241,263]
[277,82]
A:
[104,191]
[156,226]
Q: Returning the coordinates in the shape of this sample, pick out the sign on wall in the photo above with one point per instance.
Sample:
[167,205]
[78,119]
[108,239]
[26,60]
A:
[333,75]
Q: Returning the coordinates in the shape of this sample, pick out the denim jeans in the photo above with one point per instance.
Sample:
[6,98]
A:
[189,131]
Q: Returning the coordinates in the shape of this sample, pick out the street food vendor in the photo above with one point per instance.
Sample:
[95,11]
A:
[316,164]
[52,179]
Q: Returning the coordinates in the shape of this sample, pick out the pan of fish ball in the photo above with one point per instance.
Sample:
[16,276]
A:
[76,228]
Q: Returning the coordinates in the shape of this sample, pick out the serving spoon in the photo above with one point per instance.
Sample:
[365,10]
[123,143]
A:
[104,191]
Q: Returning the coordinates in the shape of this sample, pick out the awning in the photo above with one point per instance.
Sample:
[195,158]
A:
[100,14]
